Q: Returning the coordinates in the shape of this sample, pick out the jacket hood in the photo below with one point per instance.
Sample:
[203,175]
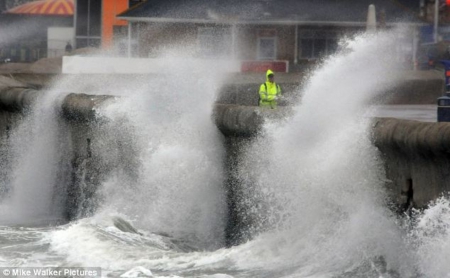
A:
[267,74]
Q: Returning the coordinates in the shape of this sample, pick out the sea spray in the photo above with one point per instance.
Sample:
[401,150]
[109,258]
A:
[429,238]
[313,184]
[316,179]
[38,156]
[178,189]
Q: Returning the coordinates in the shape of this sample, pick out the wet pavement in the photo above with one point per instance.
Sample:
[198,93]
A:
[423,113]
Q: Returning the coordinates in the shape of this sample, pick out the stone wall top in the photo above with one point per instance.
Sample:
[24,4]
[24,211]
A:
[412,137]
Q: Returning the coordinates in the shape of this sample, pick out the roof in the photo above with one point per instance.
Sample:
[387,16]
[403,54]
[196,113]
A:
[45,7]
[268,11]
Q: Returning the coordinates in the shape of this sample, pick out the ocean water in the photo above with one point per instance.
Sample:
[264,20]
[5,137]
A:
[312,183]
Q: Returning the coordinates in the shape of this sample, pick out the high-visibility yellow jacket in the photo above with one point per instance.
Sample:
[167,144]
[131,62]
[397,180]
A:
[268,92]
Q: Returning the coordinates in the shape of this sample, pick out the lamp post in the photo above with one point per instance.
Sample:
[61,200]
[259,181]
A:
[436,20]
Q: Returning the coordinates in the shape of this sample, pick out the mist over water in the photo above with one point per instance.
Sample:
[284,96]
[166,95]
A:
[37,165]
[311,183]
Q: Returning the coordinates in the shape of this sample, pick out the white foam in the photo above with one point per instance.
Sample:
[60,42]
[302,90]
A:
[430,239]
[137,271]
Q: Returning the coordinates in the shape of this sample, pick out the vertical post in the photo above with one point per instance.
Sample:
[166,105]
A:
[296,45]
[75,15]
[89,23]
[233,41]
[138,36]
[436,20]
[414,48]
[129,39]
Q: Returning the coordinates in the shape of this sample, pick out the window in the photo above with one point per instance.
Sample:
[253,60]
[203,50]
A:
[316,44]
[267,44]
[267,48]
[88,23]
[214,41]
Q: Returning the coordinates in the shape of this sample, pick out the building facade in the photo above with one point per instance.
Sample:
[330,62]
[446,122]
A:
[96,23]
[299,32]
[24,32]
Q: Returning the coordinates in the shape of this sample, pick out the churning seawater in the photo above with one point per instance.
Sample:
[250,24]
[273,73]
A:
[312,183]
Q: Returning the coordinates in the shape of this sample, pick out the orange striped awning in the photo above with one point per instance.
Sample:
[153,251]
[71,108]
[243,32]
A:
[45,7]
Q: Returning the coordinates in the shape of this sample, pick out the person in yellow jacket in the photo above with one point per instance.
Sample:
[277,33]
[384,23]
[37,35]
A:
[269,92]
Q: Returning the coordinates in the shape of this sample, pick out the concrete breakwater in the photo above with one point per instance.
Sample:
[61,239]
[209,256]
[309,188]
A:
[416,154]
[84,130]
[417,159]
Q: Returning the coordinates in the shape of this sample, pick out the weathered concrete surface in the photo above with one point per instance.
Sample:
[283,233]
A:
[244,121]
[416,154]
[417,159]
[420,112]
[17,99]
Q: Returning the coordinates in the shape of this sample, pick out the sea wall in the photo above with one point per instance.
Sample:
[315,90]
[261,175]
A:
[416,154]
[417,160]
[84,133]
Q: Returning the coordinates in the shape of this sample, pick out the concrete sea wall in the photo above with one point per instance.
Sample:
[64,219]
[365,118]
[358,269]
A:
[417,159]
[416,154]
[84,133]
